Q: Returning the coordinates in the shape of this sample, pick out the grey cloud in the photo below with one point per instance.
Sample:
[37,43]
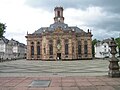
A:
[108,5]
[108,24]
[111,22]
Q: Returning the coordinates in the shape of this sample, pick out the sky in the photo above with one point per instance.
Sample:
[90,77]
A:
[102,17]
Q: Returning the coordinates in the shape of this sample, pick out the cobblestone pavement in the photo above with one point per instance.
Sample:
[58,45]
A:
[63,75]
[54,68]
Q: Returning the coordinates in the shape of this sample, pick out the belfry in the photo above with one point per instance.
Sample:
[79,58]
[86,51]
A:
[59,41]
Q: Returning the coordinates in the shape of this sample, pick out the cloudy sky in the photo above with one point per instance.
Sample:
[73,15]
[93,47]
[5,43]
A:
[20,16]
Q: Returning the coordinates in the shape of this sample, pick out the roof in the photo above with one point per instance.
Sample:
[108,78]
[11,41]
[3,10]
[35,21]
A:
[104,41]
[4,39]
[56,25]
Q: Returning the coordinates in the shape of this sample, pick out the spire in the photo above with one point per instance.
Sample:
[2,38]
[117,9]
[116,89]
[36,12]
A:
[59,14]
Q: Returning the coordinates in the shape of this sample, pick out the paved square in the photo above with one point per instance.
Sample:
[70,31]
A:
[62,75]
[54,68]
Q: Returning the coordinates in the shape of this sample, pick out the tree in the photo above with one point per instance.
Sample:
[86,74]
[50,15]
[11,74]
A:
[2,29]
[118,42]
[93,49]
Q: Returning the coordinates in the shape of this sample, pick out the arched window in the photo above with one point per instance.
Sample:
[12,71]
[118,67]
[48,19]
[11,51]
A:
[51,47]
[32,50]
[85,48]
[32,43]
[58,13]
[38,48]
[66,47]
[38,43]
[79,47]
[72,49]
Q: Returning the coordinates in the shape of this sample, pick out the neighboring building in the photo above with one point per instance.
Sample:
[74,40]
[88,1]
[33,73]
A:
[4,48]
[102,49]
[11,49]
[19,49]
[59,41]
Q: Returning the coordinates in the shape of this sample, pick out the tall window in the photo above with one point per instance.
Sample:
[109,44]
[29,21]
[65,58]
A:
[73,49]
[51,47]
[79,47]
[58,13]
[32,50]
[66,47]
[85,48]
[38,48]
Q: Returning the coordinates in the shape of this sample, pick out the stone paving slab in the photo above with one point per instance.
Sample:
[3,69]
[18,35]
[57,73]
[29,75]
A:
[24,68]
[62,83]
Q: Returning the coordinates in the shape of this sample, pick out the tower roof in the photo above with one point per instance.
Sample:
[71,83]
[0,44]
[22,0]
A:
[56,8]
[59,23]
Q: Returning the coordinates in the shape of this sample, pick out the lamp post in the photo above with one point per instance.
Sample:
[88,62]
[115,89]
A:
[113,66]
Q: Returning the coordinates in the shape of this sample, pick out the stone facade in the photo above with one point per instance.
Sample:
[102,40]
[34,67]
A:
[59,41]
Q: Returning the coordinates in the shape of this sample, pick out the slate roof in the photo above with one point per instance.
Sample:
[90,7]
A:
[55,25]
[4,39]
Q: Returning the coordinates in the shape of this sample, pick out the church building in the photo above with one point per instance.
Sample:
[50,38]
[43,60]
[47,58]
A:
[59,41]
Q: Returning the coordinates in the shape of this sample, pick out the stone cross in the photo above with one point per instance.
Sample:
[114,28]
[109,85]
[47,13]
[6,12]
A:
[113,66]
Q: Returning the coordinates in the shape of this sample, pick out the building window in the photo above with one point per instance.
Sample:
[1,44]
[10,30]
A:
[32,50]
[44,50]
[72,49]
[32,43]
[38,43]
[50,49]
[66,47]
[79,47]
[58,13]
[38,50]
[104,46]
[85,48]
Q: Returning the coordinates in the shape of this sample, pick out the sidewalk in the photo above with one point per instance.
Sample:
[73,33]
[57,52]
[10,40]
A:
[61,83]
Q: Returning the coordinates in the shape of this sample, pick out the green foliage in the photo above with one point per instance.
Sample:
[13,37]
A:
[2,29]
[118,42]
[93,49]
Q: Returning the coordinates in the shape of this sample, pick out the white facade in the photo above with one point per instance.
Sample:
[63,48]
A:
[11,49]
[102,49]
[18,49]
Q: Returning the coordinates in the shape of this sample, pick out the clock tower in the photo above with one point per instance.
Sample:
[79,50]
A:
[59,14]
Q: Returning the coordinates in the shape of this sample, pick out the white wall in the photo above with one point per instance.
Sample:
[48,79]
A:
[103,50]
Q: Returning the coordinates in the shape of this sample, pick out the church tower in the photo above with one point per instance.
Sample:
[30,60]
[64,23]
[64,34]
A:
[59,14]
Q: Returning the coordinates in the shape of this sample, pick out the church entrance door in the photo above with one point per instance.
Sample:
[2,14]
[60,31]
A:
[58,56]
